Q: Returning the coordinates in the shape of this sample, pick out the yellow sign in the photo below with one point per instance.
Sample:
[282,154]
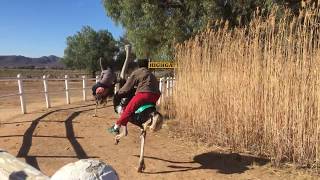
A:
[161,65]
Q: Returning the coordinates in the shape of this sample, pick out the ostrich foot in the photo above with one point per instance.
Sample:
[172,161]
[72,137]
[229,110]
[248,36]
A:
[141,167]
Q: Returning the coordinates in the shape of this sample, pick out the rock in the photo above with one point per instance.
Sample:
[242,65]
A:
[86,169]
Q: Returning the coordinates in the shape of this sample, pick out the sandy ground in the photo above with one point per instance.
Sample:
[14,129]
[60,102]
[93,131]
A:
[50,138]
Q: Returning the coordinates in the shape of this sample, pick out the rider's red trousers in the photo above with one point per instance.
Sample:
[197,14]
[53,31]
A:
[139,99]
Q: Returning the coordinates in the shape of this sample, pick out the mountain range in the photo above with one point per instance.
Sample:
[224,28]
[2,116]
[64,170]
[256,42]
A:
[47,62]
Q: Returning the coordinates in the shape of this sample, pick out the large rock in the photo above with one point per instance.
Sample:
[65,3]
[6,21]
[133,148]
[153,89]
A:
[14,169]
[86,169]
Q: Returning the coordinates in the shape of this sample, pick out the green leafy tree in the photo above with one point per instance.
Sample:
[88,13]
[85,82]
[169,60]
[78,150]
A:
[87,46]
[154,26]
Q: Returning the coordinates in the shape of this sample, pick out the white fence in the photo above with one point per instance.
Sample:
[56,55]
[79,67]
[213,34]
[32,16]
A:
[166,85]
[166,88]
[46,91]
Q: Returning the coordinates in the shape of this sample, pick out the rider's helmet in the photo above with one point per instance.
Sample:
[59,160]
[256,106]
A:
[100,90]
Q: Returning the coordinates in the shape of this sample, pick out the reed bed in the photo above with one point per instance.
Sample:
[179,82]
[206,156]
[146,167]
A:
[254,89]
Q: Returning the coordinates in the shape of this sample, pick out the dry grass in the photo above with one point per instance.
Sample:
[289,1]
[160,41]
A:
[255,88]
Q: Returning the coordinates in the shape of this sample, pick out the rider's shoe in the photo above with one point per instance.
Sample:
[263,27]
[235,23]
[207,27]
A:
[114,130]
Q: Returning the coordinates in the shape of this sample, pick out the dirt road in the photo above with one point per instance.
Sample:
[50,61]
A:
[48,139]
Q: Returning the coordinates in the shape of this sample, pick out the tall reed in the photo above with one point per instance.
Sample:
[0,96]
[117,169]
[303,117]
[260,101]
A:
[255,88]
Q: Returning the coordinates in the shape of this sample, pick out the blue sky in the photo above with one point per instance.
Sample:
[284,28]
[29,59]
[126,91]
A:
[37,28]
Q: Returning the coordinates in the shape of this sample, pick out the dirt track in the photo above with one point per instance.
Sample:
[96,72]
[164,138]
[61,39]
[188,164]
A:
[49,139]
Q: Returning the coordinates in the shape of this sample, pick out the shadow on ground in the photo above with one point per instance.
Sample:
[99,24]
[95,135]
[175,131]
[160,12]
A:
[224,163]
[28,135]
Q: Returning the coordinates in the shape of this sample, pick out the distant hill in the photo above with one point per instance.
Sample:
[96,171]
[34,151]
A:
[27,62]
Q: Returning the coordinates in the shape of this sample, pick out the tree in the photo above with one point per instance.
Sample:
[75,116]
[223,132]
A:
[87,46]
[154,26]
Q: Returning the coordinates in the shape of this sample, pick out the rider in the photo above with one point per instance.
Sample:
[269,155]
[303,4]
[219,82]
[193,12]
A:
[147,91]
[107,78]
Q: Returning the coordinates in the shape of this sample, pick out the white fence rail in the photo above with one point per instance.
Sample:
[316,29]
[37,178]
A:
[46,91]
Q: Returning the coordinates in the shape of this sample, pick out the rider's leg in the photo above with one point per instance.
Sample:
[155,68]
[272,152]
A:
[138,100]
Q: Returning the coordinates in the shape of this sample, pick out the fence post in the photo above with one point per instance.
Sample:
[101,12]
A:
[66,81]
[97,79]
[171,86]
[46,93]
[84,88]
[22,102]
[167,84]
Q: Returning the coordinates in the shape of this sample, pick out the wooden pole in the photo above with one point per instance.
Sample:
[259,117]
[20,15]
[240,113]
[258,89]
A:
[66,82]
[46,93]
[22,102]
[84,88]
[171,86]
[168,85]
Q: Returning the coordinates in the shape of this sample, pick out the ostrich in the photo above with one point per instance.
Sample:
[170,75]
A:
[102,94]
[146,117]
[101,97]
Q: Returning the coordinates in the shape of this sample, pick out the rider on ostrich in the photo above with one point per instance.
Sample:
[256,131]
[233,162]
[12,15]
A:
[107,78]
[147,91]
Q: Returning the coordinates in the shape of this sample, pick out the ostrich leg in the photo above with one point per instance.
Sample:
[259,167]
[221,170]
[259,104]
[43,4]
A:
[95,110]
[142,166]
[124,132]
